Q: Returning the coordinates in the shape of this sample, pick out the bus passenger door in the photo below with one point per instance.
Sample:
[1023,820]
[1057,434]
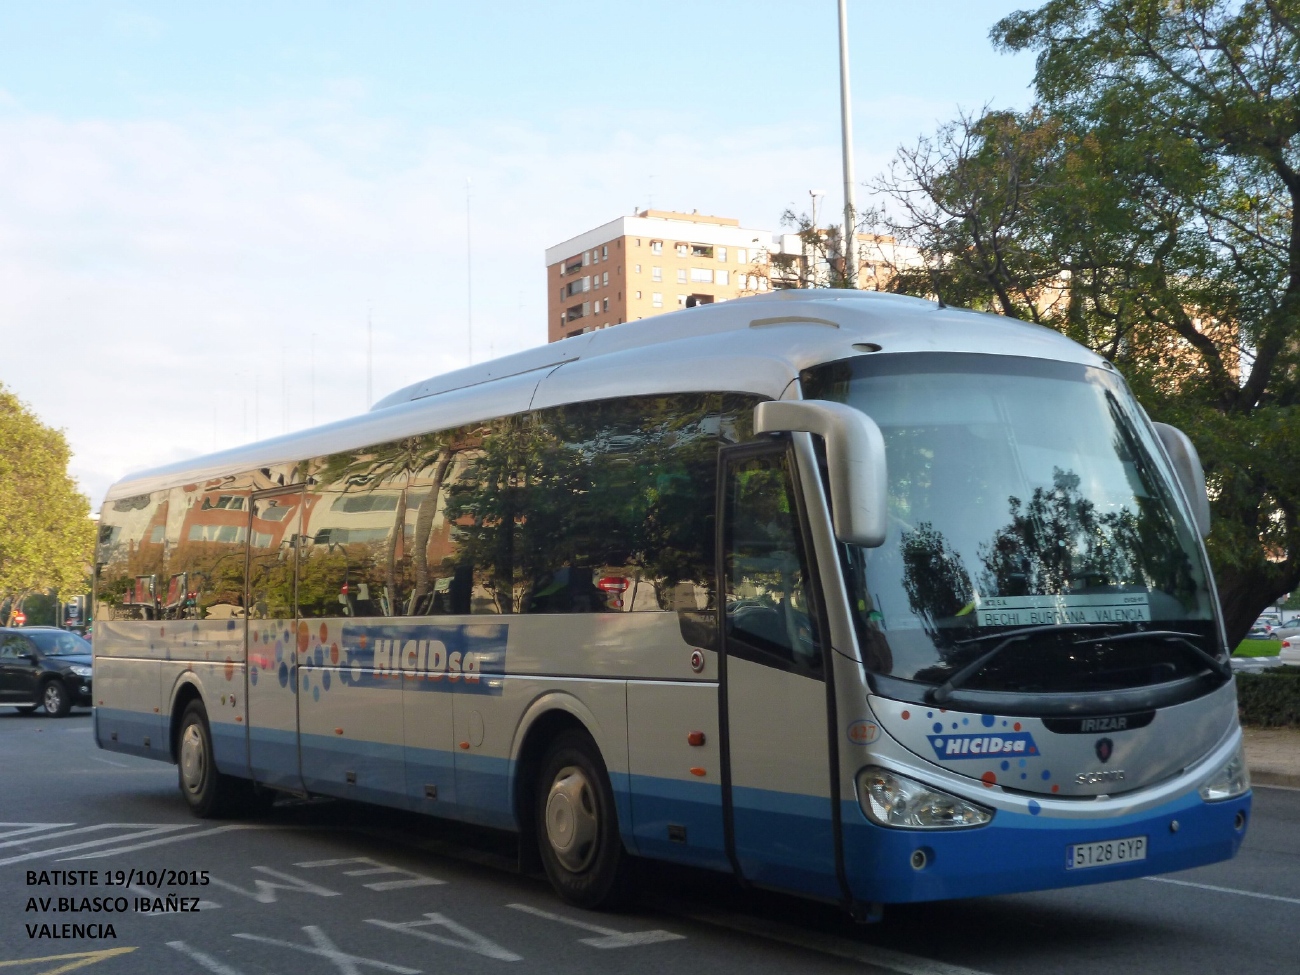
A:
[272,639]
[777,780]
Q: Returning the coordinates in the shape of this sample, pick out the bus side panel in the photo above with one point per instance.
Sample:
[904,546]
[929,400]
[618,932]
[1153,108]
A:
[780,778]
[487,722]
[127,714]
[676,786]
[351,728]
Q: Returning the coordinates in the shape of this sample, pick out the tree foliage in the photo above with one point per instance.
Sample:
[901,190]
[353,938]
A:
[1148,206]
[46,535]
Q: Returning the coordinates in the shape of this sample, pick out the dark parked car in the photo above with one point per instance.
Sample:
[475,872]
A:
[44,667]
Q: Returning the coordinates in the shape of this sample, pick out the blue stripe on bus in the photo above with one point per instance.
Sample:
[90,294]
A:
[783,840]
[1018,852]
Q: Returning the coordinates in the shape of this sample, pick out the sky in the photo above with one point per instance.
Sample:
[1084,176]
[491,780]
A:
[202,208]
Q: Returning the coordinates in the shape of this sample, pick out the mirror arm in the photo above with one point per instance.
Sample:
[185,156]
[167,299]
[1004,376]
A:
[1191,475]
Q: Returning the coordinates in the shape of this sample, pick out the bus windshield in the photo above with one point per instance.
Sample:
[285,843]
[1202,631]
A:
[1024,497]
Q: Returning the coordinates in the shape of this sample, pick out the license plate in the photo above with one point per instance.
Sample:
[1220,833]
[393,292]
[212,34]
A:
[1105,853]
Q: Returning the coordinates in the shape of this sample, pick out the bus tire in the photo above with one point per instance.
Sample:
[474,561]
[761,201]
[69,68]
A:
[577,825]
[208,793]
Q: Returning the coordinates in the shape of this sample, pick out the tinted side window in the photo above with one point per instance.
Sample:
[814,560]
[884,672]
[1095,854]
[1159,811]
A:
[131,557]
[767,584]
[620,506]
[371,538]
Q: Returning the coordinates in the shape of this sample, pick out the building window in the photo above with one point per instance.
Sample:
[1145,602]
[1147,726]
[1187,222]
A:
[701,250]
[586,258]
[681,275]
[722,254]
[721,276]
[657,299]
[606,308]
[683,250]
[700,275]
[681,301]
[604,253]
[638,296]
[656,274]
[656,247]
[638,242]
[740,255]
[638,268]
[604,279]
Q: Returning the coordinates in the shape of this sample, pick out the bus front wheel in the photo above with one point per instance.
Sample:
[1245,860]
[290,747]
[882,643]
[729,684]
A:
[577,826]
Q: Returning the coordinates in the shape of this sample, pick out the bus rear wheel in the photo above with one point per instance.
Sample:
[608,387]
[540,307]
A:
[577,826]
[209,793]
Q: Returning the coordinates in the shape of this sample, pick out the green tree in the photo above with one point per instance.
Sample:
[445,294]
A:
[46,535]
[1148,206]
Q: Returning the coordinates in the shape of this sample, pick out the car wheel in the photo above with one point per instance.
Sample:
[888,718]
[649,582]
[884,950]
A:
[55,700]
[208,793]
[577,826]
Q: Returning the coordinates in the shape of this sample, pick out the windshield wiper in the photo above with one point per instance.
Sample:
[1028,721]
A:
[1175,638]
[942,693]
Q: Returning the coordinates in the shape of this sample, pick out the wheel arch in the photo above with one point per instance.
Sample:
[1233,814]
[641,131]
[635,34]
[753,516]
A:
[550,715]
[186,689]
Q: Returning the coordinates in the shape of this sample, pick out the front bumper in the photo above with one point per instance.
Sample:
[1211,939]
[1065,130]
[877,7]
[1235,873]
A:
[1019,852]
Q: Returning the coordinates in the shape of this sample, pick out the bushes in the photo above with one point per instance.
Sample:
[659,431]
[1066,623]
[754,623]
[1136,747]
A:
[1270,699]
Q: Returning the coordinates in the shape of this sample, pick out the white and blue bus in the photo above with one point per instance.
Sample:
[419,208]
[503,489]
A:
[846,594]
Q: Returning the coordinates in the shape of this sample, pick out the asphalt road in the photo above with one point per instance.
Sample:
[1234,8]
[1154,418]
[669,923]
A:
[331,887]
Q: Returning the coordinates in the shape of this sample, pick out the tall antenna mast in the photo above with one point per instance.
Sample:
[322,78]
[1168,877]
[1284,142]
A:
[312,357]
[469,280]
[846,133]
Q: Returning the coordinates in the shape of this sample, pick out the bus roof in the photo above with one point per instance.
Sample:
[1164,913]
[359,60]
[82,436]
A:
[749,345]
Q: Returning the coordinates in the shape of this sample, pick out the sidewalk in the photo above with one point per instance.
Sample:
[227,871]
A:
[1273,756]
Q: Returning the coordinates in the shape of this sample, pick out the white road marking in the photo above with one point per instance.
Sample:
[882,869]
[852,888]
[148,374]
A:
[465,938]
[325,948]
[375,867]
[37,854]
[204,961]
[1225,890]
[265,893]
[183,838]
[96,758]
[826,944]
[72,832]
[26,829]
[609,937]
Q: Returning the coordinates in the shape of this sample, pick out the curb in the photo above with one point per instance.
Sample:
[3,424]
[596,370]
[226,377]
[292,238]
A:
[1284,779]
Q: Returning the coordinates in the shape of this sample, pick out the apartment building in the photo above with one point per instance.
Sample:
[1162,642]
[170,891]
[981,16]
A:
[649,263]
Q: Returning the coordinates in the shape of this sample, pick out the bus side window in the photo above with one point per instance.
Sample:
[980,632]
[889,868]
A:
[769,614]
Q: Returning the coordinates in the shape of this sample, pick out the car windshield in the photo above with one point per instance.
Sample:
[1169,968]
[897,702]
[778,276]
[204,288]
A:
[54,644]
[1022,493]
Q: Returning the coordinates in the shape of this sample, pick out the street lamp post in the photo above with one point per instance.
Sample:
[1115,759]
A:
[813,239]
[846,134]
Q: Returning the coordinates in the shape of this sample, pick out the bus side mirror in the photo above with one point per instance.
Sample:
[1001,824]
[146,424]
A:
[1191,476]
[855,460]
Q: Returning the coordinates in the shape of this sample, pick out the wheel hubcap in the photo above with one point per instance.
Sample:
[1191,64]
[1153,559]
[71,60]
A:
[572,825]
[193,759]
[53,697]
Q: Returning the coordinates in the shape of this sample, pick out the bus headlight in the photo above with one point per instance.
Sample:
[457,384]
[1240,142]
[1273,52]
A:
[1230,781]
[890,799]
